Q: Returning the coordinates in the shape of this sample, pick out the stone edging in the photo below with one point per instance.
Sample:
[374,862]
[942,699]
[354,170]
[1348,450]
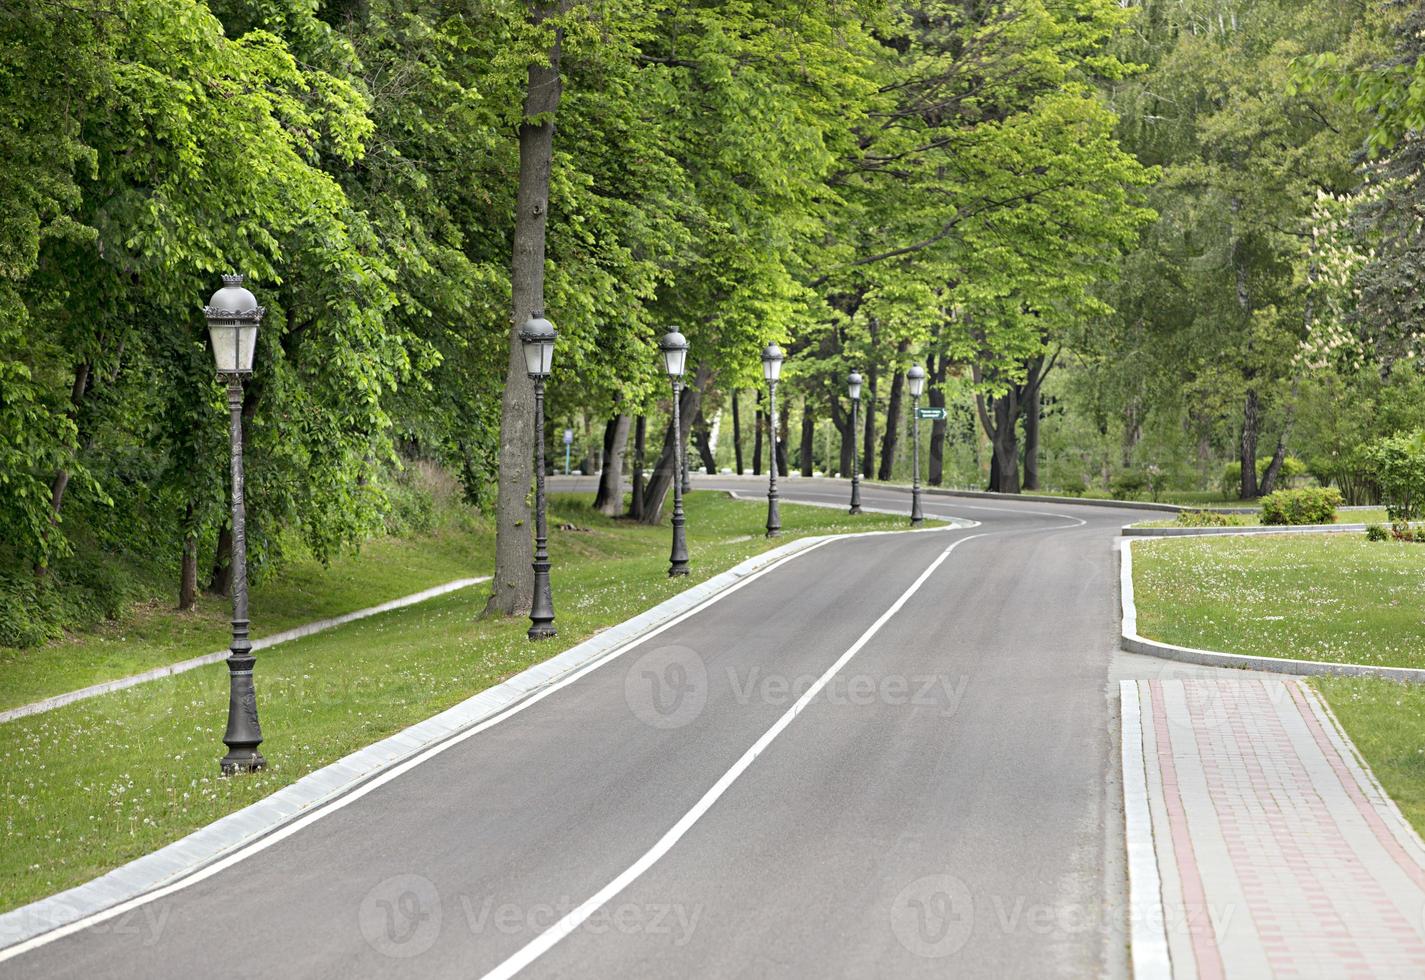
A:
[1130,640]
[1130,530]
[225,837]
[1148,938]
[262,643]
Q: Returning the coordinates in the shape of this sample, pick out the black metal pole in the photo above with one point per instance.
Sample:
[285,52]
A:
[855,464]
[916,517]
[774,519]
[678,559]
[243,734]
[541,612]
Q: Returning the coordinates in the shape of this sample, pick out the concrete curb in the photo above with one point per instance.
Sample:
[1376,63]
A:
[221,840]
[1130,530]
[963,522]
[1021,497]
[168,670]
[1148,938]
[1130,640]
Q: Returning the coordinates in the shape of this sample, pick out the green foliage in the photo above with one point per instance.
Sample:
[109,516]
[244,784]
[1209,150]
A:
[1397,466]
[1377,532]
[1304,505]
[1205,518]
[1127,485]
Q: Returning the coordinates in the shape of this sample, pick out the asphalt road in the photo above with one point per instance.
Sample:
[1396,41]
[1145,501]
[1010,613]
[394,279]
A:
[881,758]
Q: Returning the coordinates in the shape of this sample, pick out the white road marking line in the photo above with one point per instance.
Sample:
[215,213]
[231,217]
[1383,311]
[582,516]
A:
[282,833]
[546,940]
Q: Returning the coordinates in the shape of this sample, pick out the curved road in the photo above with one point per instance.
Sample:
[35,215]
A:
[889,756]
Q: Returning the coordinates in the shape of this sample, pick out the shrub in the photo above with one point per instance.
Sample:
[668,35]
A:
[1397,464]
[1205,518]
[1376,532]
[1127,485]
[1074,488]
[1305,505]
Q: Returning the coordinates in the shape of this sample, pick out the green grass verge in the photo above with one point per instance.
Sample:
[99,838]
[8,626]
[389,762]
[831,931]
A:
[1375,516]
[1386,720]
[93,785]
[154,634]
[1329,597]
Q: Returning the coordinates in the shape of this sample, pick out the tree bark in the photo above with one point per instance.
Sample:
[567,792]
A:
[702,438]
[220,578]
[783,429]
[664,472]
[512,586]
[842,420]
[893,418]
[868,429]
[1250,422]
[1031,425]
[736,431]
[936,472]
[808,463]
[635,505]
[188,568]
[757,438]
[609,499]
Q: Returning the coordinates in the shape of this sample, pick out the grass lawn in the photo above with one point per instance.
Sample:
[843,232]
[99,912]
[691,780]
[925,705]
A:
[155,634]
[1386,720]
[93,785]
[1331,597]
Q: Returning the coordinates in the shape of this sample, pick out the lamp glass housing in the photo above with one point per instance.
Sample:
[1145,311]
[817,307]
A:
[675,353]
[772,358]
[233,316]
[538,336]
[915,377]
[234,343]
[853,385]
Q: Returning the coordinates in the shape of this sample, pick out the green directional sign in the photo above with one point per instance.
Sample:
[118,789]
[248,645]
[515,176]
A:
[931,413]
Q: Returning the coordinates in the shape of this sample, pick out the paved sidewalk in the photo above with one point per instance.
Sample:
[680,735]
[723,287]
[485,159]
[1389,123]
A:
[1258,843]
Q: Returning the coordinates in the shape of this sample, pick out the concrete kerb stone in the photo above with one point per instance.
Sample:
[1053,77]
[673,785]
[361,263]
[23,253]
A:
[230,834]
[1132,531]
[1130,640]
[1038,498]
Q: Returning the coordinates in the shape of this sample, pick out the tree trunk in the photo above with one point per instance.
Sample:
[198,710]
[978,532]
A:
[893,419]
[808,463]
[702,439]
[635,505]
[609,499]
[783,430]
[188,570]
[1250,422]
[842,420]
[1031,425]
[512,587]
[936,472]
[736,431]
[757,438]
[868,432]
[664,472]
[220,578]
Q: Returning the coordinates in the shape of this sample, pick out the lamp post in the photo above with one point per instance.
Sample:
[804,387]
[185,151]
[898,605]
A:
[233,316]
[772,358]
[915,378]
[675,356]
[853,387]
[538,334]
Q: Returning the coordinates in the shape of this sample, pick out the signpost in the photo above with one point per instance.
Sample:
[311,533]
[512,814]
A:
[568,441]
[938,414]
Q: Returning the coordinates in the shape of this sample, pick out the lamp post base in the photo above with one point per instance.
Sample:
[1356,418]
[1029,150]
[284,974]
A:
[242,760]
[916,517]
[542,631]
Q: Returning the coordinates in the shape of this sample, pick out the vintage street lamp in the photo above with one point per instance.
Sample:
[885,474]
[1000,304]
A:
[772,358]
[233,316]
[853,387]
[675,358]
[538,334]
[915,378]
